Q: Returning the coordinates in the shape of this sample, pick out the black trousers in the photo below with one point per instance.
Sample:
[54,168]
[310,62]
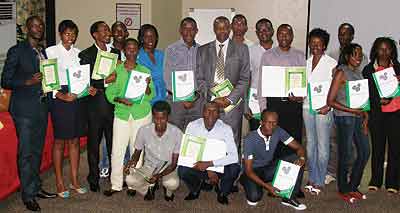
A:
[193,178]
[290,119]
[100,121]
[384,130]
[254,192]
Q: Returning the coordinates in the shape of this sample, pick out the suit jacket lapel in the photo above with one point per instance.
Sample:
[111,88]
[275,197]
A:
[229,54]
[213,59]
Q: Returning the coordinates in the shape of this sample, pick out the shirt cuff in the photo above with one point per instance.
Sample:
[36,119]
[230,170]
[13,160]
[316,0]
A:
[290,139]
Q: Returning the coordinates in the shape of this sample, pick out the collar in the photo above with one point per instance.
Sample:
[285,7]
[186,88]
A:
[61,46]
[266,139]
[107,46]
[225,43]
[184,44]
[379,68]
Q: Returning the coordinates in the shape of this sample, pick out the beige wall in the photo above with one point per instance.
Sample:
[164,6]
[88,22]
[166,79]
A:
[166,16]
[293,12]
[86,12]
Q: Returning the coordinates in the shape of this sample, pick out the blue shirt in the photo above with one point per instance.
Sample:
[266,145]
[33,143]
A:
[261,149]
[156,72]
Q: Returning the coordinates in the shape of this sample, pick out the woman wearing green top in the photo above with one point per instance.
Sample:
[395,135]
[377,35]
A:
[129,115]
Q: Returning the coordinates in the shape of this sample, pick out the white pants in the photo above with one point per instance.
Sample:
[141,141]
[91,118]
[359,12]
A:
[124,135]
[137,182]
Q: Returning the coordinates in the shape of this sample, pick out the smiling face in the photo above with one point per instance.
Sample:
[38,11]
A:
[317,46]
[239,27]
[119,33]
[188,32]
[68,37]
[345,35]
[284,37]
[103,34]
[222,29]
[264,32]
[131,50]
[149,39]
[356,58]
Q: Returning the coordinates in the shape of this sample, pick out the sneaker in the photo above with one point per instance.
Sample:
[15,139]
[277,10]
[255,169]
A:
[358,195]
[252,203]
[104,173]
[293,203]
[347,197]
[329,179]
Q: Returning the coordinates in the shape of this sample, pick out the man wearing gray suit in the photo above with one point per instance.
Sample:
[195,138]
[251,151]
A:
[224,59]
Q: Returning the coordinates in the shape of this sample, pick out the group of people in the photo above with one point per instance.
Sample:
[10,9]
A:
[151,130]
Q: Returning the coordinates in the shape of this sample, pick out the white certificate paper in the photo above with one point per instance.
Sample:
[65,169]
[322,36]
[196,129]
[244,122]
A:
[387,83]
[357,94]
[136,86]
[105,65]
[253,103]
[79,79]
[50,75]
[182,85]
[285,178]
[318,94]
[273,81]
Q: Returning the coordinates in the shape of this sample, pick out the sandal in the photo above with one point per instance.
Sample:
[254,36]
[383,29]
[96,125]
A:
[392,191]
[373,188]
[64,194]
[315,191]
[80,190]
[308,187]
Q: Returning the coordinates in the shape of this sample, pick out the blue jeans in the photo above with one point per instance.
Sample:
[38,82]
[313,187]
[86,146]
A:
[318,131]
[104,163]
[349,129]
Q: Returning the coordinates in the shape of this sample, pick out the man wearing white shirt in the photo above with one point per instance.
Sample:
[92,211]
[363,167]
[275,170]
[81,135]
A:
[210,126]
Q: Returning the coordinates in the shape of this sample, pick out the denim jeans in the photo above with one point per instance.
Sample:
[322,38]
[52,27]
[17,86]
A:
[318,131]
[104,163]
[349,129]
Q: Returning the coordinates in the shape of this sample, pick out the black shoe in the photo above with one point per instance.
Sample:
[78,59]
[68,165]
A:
[192,196]
[32,205]
[131,192]
[94,187]
[206,186]
[110,192]
[150,194]
[45,195]
[222,199]
[168,198]
[300,195]
[235,188]
[293,203]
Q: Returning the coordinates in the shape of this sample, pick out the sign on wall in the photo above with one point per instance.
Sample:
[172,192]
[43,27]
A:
[129,14]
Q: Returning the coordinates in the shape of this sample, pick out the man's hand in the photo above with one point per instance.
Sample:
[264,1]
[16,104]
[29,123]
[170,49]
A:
[295,98]
[36,79]
[300,162]
[324,110]
[111,78]
[187,104]
[248,115]
[202,165]
[272,190]
[124,101]
[213,177]
[127,168]
[222,102]
[92,91]
[155,178]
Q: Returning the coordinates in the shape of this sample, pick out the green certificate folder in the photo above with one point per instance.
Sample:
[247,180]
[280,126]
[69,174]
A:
[357,95]
[182,86]
[193,147]
[49,70]
[222,90]
[105,65]
[285,178]
[386,82]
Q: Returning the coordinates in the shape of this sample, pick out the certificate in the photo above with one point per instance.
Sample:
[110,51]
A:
[194,149]
[318,94]
[49,70]
[105,64]
[182,86]
[357,95]
[387,83]
[223,89]
[281,81]
[147,171]
[135,87]
[79,80]
[254,104]
[285,178]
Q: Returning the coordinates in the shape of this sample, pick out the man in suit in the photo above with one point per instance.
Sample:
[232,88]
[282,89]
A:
[224,59]
[99,111]
[28,108]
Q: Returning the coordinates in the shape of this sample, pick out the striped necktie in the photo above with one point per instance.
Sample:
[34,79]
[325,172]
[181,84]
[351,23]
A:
[220,65]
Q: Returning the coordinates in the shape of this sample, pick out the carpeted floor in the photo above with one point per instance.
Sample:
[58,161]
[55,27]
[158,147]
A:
[326,202]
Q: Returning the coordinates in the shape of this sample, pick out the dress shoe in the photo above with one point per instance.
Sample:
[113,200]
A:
[222,199]
[94,187]
[110,192]
[45,195]
[150,194]
[192,196]
[131,192]
[32,205]
[206,187]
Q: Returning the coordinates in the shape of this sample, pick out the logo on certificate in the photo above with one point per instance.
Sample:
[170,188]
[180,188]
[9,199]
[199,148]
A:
[357,87]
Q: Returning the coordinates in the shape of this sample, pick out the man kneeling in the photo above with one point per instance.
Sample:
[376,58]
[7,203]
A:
[160,142]
[211,127]
[259,148]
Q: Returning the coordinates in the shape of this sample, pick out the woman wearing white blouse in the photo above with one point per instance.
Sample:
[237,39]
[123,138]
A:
[318,125]
[65,113]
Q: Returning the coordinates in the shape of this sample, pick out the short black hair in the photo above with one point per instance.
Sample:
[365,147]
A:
[350,26]
[95,27]
[263,21]
[67,24]
[221,18]
[321,34]
[31,18]
[374,50]
[285,26]
[117,23]
[161,106]
[130,40]
[346,52]
[240,16]
[188,19]
[141,32]
[268,111]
